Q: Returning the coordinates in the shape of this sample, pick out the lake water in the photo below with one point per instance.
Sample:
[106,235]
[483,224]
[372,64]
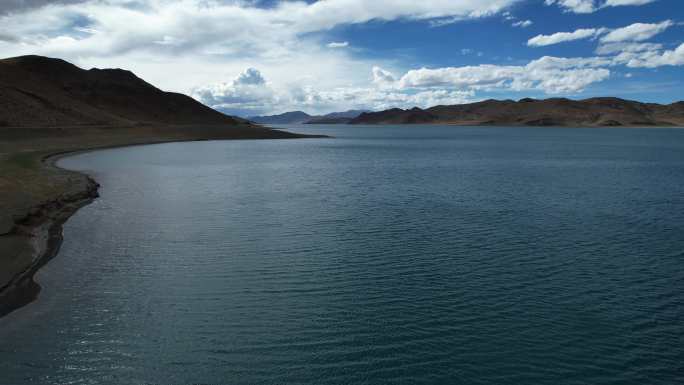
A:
[388,255]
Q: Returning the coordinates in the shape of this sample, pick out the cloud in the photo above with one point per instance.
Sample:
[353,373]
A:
[522,23]
[382,77]
[560,37]
[652,59]
[10,6]
[250,94]
[590,6]
[548,74]
[8,38]
[616,3]
[576,6]
[636,32]
[633,32]
[247,92]
[335,44]
[254,98]
[250,76]
[613,48]
[218,27]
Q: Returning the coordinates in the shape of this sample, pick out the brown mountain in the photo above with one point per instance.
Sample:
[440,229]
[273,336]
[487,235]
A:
[37,91]
[531,112]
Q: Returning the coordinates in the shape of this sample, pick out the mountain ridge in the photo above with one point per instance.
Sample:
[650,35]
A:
[592,112]
[301,117]
[39,91]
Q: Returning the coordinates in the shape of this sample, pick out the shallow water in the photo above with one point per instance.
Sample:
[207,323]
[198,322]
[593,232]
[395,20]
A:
[397,255]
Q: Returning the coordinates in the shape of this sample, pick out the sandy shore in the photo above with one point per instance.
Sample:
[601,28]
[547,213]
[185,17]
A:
[37,197]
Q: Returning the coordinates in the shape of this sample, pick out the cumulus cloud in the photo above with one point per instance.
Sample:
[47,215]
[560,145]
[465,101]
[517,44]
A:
[341,44]
[382,77]
[246,93]
[636,32]
[652,59]
[250,76]
[248,98]
[590,6]
[250,94]
[560,37]
[576,6]
[548,74]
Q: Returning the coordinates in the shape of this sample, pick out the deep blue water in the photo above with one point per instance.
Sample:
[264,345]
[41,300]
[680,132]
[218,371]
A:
[388,255]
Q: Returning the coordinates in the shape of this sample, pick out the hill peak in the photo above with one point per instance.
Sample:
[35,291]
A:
[42,91]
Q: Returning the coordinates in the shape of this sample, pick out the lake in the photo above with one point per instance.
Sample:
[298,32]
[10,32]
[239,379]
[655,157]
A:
[387,255]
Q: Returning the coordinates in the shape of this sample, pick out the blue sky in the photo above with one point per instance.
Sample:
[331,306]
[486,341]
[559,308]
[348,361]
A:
[257,57]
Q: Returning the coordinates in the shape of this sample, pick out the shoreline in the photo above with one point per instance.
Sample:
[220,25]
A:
[40,229]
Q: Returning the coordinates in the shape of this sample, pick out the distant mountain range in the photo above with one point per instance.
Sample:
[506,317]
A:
[38,91]
[300,117]
[531,112]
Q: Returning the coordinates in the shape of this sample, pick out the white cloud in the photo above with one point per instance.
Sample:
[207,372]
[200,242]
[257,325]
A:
[652,59]
[576,6]
[633,32]
[341,44]
[180,44]
[523,23]
[560,37]
[548,74]
[250,76]
[256,98]
[616,3]
[636,32]
[248,91]
[613,48]
[590,6]
[382,77]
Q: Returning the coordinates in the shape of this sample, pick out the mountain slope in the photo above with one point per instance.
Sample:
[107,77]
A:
[292,117]
[41,92]
[336,117]
[300,117]
[531,112]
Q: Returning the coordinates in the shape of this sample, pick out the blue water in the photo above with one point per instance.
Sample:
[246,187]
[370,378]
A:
[388,255]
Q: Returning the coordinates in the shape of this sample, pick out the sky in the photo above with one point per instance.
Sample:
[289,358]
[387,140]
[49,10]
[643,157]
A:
[260,57]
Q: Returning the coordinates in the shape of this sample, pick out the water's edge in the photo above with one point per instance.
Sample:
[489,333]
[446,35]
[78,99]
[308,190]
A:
[43,225]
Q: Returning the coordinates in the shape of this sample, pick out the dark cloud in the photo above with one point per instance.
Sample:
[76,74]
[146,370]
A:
[12,6]
[8,38]
[9,6]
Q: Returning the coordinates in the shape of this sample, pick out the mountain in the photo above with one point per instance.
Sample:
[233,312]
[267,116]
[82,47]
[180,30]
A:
[294,117]
[38,91]
[532,112]
[299,117]
[336,117]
